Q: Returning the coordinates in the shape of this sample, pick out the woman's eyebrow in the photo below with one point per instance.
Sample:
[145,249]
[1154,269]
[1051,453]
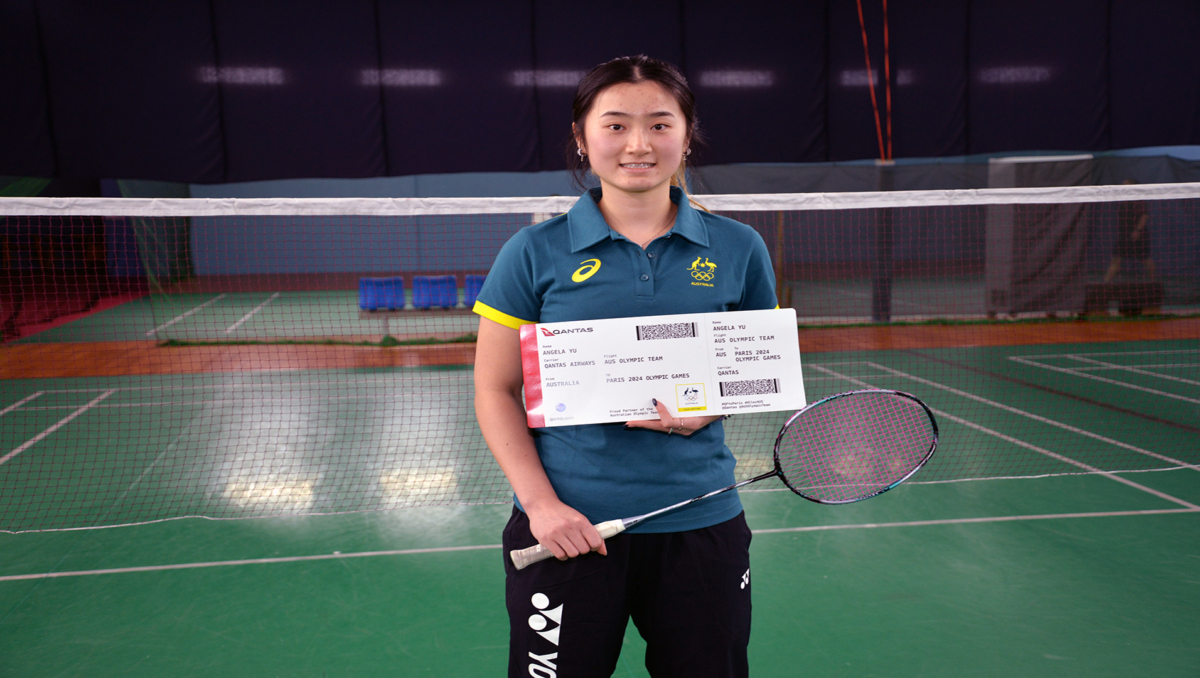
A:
[622,114]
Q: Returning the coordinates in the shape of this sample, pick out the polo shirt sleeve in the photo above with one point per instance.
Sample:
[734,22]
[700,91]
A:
[508,295]
[759,291]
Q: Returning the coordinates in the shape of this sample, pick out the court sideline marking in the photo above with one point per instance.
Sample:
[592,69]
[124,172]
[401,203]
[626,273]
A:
[1036,417]
[1103,380]
[251,314]
[452,549]
[61,423]
[1021,443]
[256,399]
[177,318]
[21,402]
[1135,370]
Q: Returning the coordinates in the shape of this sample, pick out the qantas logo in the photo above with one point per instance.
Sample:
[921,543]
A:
[547,332]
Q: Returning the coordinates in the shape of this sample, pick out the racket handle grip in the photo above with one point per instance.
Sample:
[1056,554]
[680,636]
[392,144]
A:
[523,558]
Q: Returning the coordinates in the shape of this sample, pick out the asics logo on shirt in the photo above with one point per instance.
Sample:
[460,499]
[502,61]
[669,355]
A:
[587,270]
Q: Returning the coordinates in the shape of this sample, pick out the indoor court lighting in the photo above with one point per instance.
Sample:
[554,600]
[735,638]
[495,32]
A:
[550,78]
[238,75]
[1014,75]
[402,77]
[860,78]
[725,78]
[414,484]
[271,495]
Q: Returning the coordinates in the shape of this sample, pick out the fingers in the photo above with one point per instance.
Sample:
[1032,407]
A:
[578,542]
[664,415]
[670,422]
[565,531]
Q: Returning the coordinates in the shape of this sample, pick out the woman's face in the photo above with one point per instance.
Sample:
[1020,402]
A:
[634,136]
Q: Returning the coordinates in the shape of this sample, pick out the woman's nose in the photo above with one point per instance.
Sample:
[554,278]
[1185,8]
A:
[638,141]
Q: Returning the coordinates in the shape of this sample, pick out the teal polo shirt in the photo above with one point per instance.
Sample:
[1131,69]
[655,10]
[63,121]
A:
[575,267]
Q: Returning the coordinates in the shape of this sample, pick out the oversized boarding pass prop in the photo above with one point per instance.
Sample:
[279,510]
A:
[601,371]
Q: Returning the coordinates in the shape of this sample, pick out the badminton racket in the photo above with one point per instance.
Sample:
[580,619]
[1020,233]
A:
[845,448]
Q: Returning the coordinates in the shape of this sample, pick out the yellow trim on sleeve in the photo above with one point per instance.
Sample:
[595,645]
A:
[499,316]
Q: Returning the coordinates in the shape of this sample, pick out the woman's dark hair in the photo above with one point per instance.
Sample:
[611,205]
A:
[630,70]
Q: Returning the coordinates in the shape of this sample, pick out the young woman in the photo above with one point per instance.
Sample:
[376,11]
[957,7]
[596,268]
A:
[628,248]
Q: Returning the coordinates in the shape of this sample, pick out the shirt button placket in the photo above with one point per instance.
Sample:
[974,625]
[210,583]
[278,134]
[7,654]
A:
[645,281]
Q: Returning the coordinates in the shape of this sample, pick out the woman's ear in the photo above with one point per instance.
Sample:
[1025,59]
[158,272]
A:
[580,144]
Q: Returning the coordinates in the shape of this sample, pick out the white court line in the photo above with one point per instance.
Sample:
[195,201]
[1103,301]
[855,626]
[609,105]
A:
[63,422]
[1043,451]
[389,395]
[1067,460]
[968,521]
[1113,382]
[1116,353]
[254,561]
[389,381]
[1040,419]
[251,314]
[453,549]
[1157,366]
[19,403]
[176,319]
[1136,369]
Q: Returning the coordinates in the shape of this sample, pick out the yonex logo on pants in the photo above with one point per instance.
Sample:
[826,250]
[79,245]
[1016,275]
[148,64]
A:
[543,666]
[746,579]
[540,622]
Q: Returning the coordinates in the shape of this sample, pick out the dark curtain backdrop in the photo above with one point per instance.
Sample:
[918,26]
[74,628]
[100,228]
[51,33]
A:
[209,91]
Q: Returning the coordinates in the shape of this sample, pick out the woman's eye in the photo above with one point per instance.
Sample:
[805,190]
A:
[659,127]
[615,127]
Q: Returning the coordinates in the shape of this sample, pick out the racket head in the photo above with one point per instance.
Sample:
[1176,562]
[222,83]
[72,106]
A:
[855,445]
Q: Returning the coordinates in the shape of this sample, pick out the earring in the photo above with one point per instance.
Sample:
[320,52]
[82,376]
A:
[580,152]
[687,152]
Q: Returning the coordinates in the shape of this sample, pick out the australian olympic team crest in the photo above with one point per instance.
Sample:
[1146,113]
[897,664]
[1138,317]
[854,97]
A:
[690,398]
[703,271]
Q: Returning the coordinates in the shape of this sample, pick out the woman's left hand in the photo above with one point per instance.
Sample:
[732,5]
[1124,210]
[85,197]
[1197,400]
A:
[670,424]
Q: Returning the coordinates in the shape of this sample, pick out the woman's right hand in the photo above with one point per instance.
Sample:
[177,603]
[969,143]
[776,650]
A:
[563,530]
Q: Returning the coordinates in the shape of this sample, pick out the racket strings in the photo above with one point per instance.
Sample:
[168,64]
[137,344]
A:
[854,447]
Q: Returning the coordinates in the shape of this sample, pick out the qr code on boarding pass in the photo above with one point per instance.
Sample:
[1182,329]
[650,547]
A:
[666,331]
[749,387]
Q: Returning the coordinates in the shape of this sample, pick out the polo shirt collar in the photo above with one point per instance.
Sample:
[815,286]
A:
[587,227]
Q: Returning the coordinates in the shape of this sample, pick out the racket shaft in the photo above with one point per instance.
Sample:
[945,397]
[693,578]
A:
[523,558]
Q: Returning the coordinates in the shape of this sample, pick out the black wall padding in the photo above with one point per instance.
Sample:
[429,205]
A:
[210,91]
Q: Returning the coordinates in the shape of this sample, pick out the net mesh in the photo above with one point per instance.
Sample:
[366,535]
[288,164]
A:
[233,358]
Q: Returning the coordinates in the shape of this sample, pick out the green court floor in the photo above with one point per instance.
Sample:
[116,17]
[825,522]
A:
[964,572]
[1110,594]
